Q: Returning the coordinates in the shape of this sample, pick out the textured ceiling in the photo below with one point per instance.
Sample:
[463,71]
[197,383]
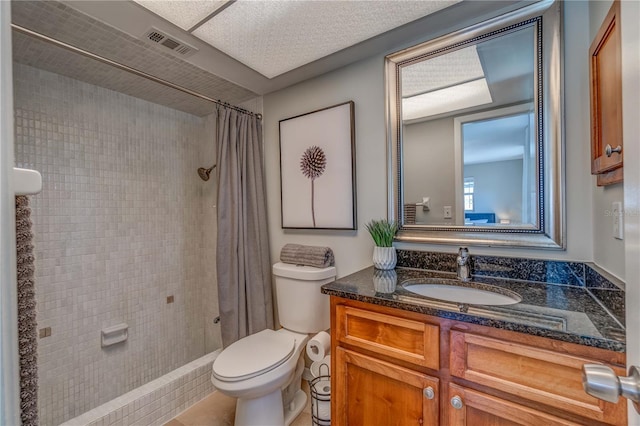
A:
[185,14]
[273,37]
[117,30]
[441,71]
[63,23]
[498,70]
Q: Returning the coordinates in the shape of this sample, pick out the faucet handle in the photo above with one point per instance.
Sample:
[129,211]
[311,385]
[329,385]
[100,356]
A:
[463,251]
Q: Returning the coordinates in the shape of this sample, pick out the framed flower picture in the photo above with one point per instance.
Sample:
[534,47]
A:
[318,169]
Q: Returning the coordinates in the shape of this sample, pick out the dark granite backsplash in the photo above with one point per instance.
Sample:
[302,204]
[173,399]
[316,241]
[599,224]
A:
[431,261]
[606,288]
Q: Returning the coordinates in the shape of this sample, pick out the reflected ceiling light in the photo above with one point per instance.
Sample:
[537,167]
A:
[183,13]
[449,99]
[274,37]
[441,71]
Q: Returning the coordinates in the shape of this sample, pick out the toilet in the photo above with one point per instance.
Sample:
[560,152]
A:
[264,370]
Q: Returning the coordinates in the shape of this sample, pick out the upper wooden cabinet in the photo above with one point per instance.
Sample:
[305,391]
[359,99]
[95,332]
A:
[606,100]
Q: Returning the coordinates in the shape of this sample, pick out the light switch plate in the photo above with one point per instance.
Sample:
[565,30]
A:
[447,212]
[618,221]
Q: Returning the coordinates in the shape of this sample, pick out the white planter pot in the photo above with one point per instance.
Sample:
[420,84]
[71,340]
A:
[384,257]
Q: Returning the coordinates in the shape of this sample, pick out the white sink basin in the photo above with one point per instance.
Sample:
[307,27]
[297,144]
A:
[479,294]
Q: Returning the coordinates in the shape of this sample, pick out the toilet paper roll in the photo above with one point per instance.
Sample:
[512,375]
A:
[321,368]
[322,391]
[319,346]
[324,410]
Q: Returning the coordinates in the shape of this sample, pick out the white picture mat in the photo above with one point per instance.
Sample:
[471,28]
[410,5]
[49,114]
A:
[330,130]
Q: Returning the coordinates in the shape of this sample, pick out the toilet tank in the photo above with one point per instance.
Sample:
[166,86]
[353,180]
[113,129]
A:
[301,305]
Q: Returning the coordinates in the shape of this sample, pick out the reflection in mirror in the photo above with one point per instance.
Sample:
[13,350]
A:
[466,118]
[438,95]
[498,179]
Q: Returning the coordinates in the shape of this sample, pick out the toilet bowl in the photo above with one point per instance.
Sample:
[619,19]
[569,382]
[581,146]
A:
[256,370]
[264,370]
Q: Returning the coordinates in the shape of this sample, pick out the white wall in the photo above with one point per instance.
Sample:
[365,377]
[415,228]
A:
[608,252]
[363,83]
[429,168]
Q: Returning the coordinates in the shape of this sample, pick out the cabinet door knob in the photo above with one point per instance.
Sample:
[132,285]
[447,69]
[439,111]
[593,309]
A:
[429,393]
[456,402]
[608,150]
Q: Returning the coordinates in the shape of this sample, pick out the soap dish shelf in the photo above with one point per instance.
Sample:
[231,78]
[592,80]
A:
[114,335]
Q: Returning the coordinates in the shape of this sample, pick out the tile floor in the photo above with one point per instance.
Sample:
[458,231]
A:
[219,410]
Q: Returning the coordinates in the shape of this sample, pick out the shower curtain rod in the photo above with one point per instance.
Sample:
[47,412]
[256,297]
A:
[128,69]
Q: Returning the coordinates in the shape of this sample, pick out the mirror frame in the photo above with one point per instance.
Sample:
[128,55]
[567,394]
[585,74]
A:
[551,230]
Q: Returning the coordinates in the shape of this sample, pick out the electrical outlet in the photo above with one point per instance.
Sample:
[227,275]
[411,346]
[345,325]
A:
[618,220]
[447,212]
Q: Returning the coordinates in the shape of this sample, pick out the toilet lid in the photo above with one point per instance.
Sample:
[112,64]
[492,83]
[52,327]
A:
[253,355]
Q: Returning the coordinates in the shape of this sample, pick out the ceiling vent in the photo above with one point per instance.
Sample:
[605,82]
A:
[178,47]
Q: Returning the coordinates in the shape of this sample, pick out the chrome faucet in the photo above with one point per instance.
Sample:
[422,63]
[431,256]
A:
[462,262]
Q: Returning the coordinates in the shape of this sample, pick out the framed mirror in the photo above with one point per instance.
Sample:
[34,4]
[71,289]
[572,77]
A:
[475,134]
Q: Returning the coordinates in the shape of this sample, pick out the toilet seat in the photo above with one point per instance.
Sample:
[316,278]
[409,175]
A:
[253,355]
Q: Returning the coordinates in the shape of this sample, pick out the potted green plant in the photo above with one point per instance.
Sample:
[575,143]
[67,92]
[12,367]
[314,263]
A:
[384,254]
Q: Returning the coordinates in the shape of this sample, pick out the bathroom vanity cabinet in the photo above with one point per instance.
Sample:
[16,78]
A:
[396,367]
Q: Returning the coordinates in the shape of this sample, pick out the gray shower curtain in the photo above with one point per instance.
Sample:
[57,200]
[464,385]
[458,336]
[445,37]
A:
[243,263]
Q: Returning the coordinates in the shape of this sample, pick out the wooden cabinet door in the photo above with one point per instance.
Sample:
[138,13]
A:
[368,391]
[606,99]
[474,408]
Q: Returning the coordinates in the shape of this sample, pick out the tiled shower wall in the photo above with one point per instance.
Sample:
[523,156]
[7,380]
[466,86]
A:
[122,223]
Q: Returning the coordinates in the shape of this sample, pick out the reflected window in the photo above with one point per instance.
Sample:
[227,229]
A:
[468,194]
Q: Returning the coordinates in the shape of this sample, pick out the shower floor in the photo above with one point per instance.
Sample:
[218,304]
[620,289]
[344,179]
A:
[218,409]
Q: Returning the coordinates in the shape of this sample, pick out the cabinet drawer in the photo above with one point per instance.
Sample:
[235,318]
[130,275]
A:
[400,338]
[540,375]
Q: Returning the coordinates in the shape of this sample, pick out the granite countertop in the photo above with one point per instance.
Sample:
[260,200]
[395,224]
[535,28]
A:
[562,312]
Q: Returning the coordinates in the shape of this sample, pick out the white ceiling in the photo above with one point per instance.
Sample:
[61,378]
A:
[135,20]
[186,13]
[494,72]
[274,37]
[441,101]
[118,30]
[442,71]
[445,83]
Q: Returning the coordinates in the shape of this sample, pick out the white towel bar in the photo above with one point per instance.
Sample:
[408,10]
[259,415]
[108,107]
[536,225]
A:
[26,182]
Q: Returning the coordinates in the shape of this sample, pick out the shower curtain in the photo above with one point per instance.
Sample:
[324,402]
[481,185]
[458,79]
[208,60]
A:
[243,263]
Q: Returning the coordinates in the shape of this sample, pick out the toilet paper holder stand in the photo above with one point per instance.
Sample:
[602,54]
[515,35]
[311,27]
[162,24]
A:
[320,391]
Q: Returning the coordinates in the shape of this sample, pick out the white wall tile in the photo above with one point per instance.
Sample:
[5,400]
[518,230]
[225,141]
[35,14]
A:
[123,221]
